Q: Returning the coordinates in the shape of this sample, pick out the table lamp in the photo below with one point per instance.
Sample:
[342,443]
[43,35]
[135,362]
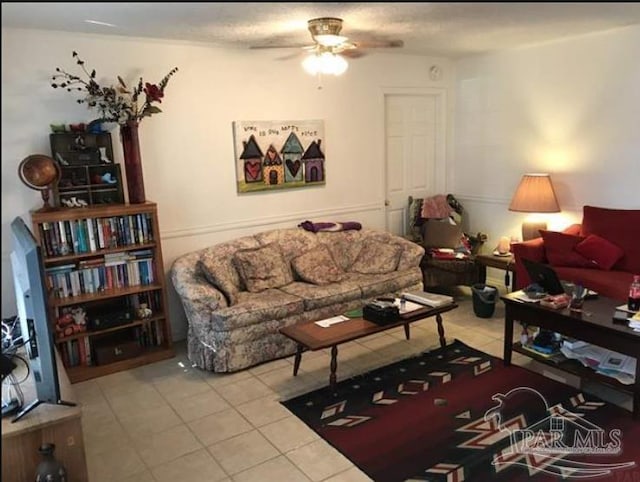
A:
[535,194]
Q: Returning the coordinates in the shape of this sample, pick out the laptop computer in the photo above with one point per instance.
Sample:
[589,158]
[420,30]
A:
[544,275]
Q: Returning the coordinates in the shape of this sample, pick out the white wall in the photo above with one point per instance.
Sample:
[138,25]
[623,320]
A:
[187,150]
[570,108]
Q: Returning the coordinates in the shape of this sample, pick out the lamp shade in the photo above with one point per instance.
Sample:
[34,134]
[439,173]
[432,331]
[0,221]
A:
[535,194]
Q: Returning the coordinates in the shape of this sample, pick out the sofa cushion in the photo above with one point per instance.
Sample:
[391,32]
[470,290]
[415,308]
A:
[620,226]
[216,265]
[315,296]
[344,246]
[615,284]
[293,241]
[377,257]
[602,252]
[560,250]
[218,275]
[251,308]
[380,284]
[317,266]
[262,268]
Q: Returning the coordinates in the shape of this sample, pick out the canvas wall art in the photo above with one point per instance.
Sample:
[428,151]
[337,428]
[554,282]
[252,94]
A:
[279,154]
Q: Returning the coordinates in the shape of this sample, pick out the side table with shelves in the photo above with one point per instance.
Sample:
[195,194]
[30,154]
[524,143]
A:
[504,263]
[105,262]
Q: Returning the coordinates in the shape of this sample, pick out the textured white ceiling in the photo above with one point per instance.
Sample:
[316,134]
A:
[447,29]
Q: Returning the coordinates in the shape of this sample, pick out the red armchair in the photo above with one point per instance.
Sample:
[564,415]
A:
[621,227]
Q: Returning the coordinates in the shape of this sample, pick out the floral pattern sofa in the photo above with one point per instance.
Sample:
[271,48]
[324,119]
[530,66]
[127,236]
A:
[237,295]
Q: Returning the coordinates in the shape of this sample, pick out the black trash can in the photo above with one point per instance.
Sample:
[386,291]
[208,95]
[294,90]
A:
[484,300]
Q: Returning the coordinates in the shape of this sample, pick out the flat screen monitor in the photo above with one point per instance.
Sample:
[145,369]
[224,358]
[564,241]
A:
[31,300]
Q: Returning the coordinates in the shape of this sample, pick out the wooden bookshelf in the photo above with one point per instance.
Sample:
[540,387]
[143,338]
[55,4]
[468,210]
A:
[107,261]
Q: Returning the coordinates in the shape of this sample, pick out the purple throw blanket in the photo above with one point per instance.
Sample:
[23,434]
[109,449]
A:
[316,227]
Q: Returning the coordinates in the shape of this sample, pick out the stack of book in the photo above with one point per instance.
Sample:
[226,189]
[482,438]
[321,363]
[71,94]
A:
[548,353]
[428,299]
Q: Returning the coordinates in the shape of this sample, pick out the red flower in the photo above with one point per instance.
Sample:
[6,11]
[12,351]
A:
[154,93]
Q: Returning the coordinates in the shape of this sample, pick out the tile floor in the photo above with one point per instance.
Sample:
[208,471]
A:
[171,422]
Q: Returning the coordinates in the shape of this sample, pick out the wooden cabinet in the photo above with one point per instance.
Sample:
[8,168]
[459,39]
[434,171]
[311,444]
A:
[89,175]
[106,286]
[81,148]
[88,185]
[57,424]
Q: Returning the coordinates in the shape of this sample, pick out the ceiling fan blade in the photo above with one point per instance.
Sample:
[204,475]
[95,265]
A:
[353,53]
[379,44]
[284,46]
[293,55]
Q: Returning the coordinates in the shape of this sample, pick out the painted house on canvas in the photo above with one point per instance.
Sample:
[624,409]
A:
[313,160]
[272,169]
[252,159]
[292,157]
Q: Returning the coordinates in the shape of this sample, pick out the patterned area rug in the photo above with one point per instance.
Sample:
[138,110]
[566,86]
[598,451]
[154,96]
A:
[456,414]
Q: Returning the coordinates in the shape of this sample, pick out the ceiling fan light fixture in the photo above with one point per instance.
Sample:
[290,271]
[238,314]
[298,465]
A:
[327,63]
[329,40]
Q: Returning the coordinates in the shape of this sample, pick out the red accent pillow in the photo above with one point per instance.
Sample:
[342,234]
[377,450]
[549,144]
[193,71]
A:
[560,250]
[622,227]
[603,252]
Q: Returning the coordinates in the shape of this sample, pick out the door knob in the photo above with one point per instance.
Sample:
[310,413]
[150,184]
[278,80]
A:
[386,202]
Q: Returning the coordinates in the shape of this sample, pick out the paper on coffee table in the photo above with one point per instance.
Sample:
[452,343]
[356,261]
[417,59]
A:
[407,306]
[327,322]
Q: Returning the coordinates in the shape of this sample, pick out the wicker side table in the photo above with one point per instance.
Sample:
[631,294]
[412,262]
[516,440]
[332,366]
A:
[450,272]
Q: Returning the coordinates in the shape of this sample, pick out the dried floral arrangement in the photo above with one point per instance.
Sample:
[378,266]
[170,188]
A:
[115,103]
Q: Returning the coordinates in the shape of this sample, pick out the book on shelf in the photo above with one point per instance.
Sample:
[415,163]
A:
[553,355]
[433,300]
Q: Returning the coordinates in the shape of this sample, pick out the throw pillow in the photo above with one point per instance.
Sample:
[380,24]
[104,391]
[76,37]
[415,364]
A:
[344,252]
[262,268]
[219,276]
[601,251]
[620,226]
[441,234]
[560,250]
[377,257]
[317,266]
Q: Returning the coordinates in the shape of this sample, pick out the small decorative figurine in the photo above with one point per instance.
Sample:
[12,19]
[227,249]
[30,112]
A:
[103,155]
[144,311]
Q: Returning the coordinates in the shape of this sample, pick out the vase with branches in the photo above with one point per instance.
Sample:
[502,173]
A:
[122,105]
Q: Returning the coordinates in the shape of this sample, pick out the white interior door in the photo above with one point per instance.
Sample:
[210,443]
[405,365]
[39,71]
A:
[414,139]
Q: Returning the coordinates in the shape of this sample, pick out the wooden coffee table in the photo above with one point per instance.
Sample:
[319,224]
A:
[310,336]
[593,325]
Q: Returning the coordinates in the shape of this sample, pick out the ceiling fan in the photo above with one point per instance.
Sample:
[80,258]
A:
[330,45]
